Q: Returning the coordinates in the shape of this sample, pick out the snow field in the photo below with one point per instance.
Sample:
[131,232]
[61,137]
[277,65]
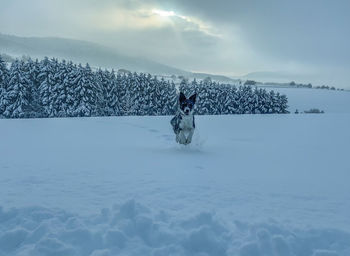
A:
[249,185]
[334,102]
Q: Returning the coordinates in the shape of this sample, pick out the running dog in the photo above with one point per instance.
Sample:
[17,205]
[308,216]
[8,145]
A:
[183,122]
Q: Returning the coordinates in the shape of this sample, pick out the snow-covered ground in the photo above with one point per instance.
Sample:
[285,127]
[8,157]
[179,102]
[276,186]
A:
[249,185]
[304,99]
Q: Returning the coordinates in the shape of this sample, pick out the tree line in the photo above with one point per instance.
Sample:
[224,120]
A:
[52,88]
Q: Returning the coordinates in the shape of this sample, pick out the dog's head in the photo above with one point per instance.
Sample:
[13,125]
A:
[187,105]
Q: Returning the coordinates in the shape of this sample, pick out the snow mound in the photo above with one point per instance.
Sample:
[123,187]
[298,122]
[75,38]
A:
[134,229]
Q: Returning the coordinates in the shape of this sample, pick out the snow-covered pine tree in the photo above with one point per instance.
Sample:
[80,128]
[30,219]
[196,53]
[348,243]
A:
[4,75]
[34,71]
[271,102]
[103,87]
[102,81]
[255,104]
[107,83]
[85,92]
[148,97]
[260,101]
[129,106]
[123,93]
[60,90]
[193,88]
[160,97]
[149,91]
[18,95]
[240,100]
[136,95]
[201,98]
[113,103]
[120,93]
[222,99]
[283,104]
[55,87]
[212,98]
[184,87]
[276,103]
[248,103]
[171,98]
[46,83]
[69,89]
[231,101]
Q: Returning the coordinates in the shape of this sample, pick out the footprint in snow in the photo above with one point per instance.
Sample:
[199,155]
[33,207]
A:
[153,130]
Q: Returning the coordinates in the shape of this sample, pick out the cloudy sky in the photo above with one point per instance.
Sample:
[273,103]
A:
[305,39]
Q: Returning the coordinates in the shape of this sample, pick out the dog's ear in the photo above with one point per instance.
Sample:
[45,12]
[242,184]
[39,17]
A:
[193,98]
[182,97]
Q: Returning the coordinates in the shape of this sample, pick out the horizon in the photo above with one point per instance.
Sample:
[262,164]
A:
[309,42]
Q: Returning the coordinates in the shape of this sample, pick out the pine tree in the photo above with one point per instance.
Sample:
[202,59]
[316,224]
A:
[160,97]
[46,83]
[123,93]
[170,98]
[102,81]
[232,105]
[148,100]
[120,92]
[153,90]
[203,104]
[61,89]
[85,92]
[112,96]
[34,70]
[18,95]
[69,90]
[136,95]
[283,102]
[145,95]
[128,98]
[108,93]
[4,76]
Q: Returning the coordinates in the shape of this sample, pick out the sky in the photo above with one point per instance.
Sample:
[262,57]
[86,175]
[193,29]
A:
[303,40]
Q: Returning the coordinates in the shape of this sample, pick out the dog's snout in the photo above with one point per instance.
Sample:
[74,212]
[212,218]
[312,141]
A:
[187,111]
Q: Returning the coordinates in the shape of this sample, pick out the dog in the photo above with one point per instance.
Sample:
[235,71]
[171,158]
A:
[183,122]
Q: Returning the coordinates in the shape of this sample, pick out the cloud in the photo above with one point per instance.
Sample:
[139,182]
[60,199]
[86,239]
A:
[227,37]
[312,31]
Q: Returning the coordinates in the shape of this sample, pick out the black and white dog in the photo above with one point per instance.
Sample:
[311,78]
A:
[183,121]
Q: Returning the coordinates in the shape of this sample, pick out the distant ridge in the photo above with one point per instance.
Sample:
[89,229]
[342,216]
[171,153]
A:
[95,54]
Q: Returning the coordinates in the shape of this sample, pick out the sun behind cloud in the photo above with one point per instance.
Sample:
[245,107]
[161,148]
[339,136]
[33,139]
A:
[163,13]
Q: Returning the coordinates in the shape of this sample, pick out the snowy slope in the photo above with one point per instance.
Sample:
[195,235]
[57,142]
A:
[327,100]
[249,185]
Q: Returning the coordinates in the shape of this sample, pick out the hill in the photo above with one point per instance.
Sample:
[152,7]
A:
[88,52]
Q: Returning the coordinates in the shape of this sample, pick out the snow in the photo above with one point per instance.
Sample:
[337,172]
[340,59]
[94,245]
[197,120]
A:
[248,184]
[328,100]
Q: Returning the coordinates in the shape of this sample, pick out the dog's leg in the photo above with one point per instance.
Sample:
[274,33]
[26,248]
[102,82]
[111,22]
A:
[189,137]
[182,138]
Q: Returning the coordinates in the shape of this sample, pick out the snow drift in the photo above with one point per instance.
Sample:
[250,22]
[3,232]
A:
[134,229]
